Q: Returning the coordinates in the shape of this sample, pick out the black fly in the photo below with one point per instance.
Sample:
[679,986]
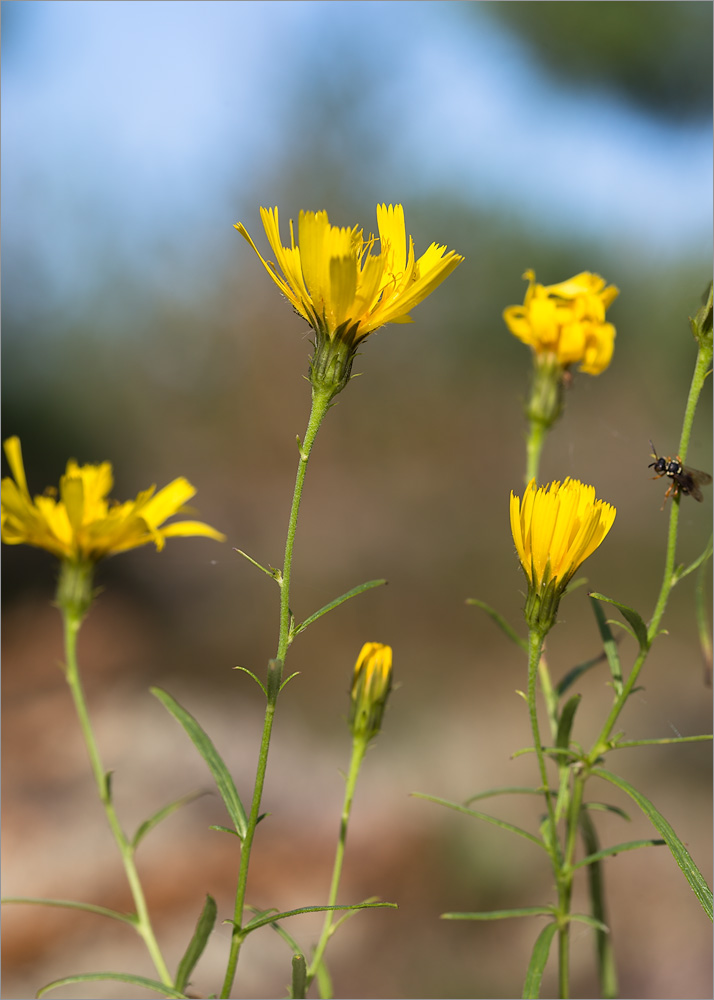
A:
[684,480]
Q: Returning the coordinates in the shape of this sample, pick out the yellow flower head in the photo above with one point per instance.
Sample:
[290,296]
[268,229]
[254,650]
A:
[555,529]
[567,321]
[332,277]
[82,525]
[371,684]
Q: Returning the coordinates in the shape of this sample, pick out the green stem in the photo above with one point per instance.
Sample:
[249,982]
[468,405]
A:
[359,748]
[72,621]
[320,404]
[535,647]
[701,370]
[534,447]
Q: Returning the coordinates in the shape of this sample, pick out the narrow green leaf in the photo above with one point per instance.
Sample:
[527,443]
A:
[604,953]
[71,904]
[324,982]
[585,918]
[606,852]
[479,815]
[609,645]
[505,790]
[271,571]
[499,620]
[635,620]
[152,821]
[221,774]
[667,739]
[122,977]
[679,851]
[536,966]
[572,675]
[197,943]
[224,829]
[565,723]
[699,561]
[255,678]
[299,983]
[288,938]
[606,807]
[271,918]
[296,629]
[524,911]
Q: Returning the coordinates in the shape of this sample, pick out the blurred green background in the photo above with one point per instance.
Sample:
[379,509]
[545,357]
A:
[138,327]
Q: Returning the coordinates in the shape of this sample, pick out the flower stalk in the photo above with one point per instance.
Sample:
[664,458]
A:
[75,579]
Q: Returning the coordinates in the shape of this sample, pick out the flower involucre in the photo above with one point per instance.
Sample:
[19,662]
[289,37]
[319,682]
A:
[555,529]
[82,525]
[337,283]
[567,321]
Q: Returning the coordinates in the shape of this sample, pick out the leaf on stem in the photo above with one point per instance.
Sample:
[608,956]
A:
[154,820]
[523,911]
[122,977]
[536,966]
[262,920]
[505,790]
[630,615]
[479,815]
[607,852]
[221,774]
[681,571]
[324,982]
[71,904]
[604,953]
[679,851]
[255,678]
[609,645]
[197,943]
[565,723]
[572,675]
[301,626]
[269,571]
[606,807]
[499,620]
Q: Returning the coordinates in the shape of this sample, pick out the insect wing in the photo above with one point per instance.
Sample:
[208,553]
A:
[690,482]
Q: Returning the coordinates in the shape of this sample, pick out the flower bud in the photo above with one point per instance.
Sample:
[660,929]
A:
[371,684]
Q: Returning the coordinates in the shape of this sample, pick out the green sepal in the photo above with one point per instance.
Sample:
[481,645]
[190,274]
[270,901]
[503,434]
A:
[539,958]
[122,977]
[616,849]
[479,815]
[202,742]
[523,911]
[301,626]
[71,904]
[635,620]
[679,851]
[154,820]
[609,645]
[499,620]
[299,981]
[197,943]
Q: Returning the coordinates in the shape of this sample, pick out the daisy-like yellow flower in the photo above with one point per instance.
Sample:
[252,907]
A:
[371,684]
[344,290]
[555,529]
[566,321]
[79,524]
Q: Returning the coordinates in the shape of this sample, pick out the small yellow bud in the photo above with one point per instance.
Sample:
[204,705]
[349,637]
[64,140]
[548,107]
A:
[371,684]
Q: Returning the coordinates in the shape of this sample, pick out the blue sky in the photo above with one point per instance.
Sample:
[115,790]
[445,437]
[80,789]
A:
[127,124]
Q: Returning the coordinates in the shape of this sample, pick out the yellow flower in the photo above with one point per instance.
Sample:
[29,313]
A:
[567,321]
[82,526]
[555,529]
[371,684]
[333,279]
